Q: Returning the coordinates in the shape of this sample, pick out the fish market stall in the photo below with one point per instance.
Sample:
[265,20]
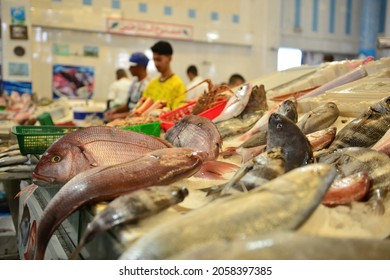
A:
[281,160]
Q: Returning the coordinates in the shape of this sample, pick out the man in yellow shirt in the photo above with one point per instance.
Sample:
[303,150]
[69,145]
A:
[168,87]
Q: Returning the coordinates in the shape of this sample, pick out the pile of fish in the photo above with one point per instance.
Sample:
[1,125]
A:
[14,165]
[290,167]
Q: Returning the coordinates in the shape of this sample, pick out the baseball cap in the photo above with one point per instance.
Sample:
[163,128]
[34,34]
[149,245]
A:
[138,58]
[162,47]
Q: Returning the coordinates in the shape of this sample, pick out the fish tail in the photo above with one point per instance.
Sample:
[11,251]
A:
[375,203]
[215,169]
[29,190]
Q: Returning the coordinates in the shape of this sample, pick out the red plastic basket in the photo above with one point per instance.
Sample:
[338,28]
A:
[169,119]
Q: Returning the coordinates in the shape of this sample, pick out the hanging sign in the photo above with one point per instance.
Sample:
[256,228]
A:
[149,29]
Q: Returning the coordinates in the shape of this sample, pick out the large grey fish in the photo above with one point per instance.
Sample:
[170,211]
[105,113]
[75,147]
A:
[319,118]
[253,174]
[281,204]
[284,133]
[91,147]
[160,167]
[196,132]
[365,130]
[356,159]
[288,109]
[130,207]
[289,245]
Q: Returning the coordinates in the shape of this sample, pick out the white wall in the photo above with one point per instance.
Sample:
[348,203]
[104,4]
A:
[248,47]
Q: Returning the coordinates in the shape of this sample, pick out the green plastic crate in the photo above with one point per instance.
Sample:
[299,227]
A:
[36,139]
[147,128]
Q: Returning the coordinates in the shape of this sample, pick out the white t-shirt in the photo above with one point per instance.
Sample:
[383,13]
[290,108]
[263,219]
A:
[197,91]
[119,91]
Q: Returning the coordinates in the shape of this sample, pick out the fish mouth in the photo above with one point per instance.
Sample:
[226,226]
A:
[201,154]
[41,180]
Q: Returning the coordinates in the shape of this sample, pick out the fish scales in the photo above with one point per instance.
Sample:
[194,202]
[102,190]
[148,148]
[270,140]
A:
[281,204]
[362,132]
[196,132]
[161,167]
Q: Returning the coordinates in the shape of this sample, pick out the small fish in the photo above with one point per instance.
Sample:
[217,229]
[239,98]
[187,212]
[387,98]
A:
[352,160]
[319,118]
[289,245]
[236,104]
[91,147]
[18,168]
[283,203]
[365,130]
[156,168]
[257,101]
[284,133]
[11,160]
[130,207]
[196,132]
[10,153]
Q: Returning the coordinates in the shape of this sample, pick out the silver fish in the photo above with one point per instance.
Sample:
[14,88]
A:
[319,118]
[236,104]
[11,160]
[355,159]
[281,204]
[130,207]
[289,245]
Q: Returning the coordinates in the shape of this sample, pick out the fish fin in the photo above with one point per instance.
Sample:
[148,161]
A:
[215,169]
[29,190]
[88,156]
[228,152]
[375,203]
[213,190]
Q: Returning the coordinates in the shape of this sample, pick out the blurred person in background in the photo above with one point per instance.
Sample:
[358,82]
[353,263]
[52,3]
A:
[235,80]
[138,64]
[168,87]
[119,90]
[195,87]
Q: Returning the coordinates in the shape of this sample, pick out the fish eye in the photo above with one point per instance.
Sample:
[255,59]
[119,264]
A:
[279,126]
[56,159]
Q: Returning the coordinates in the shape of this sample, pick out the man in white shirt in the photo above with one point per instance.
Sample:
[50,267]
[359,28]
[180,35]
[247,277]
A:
[138,64]
[194,90]
[119,90]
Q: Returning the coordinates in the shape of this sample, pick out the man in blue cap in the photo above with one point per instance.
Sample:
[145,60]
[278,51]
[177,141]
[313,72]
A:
[138,64]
